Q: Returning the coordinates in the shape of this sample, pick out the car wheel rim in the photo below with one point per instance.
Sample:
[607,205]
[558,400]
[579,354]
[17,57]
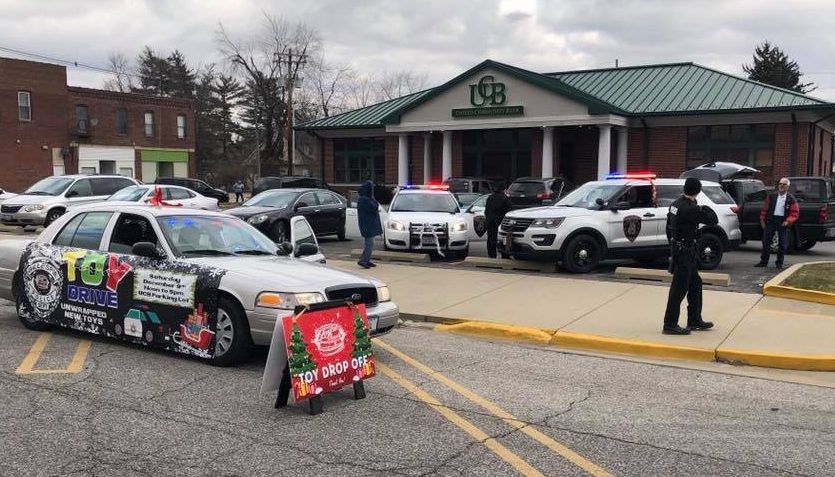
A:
[225,333]
[583,255]
[708,254]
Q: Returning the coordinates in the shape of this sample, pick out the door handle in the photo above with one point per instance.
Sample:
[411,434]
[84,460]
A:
[649,214]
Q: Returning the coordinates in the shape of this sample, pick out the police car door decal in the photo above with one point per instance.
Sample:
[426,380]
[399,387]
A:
[631,227]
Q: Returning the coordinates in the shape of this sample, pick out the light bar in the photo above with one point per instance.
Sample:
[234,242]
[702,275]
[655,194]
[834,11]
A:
[634,175]
[425,187]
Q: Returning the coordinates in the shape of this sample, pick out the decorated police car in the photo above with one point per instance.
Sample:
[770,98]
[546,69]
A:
[624,216]
[426,219]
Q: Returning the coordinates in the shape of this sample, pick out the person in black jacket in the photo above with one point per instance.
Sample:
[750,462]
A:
[683,221]
[494,211]
[368,219]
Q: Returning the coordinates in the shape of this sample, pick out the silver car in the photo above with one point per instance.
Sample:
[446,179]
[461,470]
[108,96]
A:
[49,198]
[262,283]
[171,194]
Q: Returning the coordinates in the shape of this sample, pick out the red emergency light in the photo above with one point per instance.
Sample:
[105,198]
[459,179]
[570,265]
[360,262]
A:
[632,175]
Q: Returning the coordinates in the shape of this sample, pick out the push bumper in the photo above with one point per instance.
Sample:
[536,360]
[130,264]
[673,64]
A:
[410,241]
[533,244]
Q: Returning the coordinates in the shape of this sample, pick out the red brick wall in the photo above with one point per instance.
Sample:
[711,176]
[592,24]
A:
[457,154]
[536,152]
[391,146]
[821,153]
[635,150]
[437,156]
[667,150]
[416,159]
[327,152]
[23,163]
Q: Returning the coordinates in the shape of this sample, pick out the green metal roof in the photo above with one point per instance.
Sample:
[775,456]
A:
[651,90]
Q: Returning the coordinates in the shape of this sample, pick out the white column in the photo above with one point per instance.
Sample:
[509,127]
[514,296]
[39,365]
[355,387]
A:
[623,138]
[403,160]
[547,151]
[447,156]
[427,158]
[604,149]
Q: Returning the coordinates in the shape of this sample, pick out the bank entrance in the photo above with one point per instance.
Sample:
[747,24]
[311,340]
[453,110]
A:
[497,153]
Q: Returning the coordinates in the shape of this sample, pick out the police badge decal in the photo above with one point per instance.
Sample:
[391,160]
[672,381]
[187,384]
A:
[42,282]
[631,227]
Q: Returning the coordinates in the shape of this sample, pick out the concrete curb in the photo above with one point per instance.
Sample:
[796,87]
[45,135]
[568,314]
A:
[506,264]
[632,347]
[774,287]
[395,256]
[781,361]
[497,330]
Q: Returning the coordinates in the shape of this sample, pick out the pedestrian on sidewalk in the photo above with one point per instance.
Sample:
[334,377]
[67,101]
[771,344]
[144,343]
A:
[498,204]
[238,189]
[368,218]
[779,212]
[683,221]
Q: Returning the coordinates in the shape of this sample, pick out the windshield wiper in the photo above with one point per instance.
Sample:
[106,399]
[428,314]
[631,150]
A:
[207,252]
[38,192]
[253,252]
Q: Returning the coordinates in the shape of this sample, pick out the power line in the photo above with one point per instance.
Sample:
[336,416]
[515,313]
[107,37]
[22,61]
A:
[66,62]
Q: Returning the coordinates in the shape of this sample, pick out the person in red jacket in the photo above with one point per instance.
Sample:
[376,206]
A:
[779,212]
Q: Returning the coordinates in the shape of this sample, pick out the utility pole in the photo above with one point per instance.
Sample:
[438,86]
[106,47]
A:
[294,63]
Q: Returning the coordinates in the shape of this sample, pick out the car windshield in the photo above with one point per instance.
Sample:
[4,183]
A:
[129,194]
[272,199]
[586,195]
[209,235]
[429,202]
[50,186]
[526,187]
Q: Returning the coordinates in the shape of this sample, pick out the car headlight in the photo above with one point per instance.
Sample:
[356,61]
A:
[395,225]
[460,226]
[257,219]
[33,208]
[548,223]
[288,301]
[383,294]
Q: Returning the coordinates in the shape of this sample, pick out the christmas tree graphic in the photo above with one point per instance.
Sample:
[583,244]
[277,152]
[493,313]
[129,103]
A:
[362,345]
[300,360]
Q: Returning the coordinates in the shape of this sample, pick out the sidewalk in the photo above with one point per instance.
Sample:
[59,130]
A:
[611,316]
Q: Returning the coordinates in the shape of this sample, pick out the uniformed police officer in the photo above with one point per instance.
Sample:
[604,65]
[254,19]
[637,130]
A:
[683,221]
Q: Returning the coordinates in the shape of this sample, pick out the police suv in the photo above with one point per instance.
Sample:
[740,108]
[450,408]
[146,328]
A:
[624,216]
[426,219]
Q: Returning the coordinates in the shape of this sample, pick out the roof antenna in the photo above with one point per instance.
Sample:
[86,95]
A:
[616,62]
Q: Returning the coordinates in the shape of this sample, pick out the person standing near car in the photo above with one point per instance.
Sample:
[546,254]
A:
[498,204]
[683,221]
[238,189]
[779,212]
[368,219]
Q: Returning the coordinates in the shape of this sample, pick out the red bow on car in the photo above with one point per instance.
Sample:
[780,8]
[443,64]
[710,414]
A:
[156,199]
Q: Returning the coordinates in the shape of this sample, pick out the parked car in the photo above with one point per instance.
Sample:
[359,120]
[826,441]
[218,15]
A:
[466,198]
[471,184]
[262,282]
[197,185]
[618,218]
[287,182]
[736,179]
[6,195]
[535,192]
[171,194]
[426,220]
[271,211]
[49,198]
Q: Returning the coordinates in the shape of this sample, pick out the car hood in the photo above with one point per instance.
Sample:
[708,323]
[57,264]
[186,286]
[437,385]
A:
[423,217]
[549,212]
[26,199]
[282,273]
[245,212]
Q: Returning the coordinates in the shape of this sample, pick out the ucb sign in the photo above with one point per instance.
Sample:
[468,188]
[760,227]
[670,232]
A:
[487,92]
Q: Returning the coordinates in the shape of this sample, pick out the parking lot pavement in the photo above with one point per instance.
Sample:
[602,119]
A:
[739,264]
[441,405]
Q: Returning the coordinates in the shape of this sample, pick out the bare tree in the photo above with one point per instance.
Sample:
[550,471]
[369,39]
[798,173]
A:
[395,84]
[122,73]
[328,85]
[364,91]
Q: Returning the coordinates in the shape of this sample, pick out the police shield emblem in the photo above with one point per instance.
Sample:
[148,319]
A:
[480,225]
[631,227]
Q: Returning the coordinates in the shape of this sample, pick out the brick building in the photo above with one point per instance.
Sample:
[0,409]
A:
[499,121]
[47,127]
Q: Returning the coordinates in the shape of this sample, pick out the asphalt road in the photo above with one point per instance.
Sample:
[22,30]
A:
[739,264]
[537,411]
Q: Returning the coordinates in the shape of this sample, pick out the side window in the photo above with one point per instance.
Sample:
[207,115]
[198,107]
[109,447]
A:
[638,196]
[665,195]
[304,234]
[109,186]
[84,231]
[81,188]
[479,204]
[717,195]
[129,230]
[308,199]
[178,194]
[326,198]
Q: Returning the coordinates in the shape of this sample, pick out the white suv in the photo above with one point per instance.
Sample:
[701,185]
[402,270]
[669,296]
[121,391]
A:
[617,218]
[49,198]
[427,220]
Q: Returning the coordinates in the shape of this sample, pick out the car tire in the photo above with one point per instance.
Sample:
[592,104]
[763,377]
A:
[279,232]
[582,255]
[709,251]
[233,341]
[340,233]
[461,254]
[30,323]
[804,245]
[52,216]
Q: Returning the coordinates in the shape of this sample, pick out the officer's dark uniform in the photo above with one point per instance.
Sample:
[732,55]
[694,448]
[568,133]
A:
[683,221]
[494,211]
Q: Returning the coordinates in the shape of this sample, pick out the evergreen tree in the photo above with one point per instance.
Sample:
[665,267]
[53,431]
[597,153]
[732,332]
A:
[772,66]
[181,78]
[154,74]
[299,360]
[362,343]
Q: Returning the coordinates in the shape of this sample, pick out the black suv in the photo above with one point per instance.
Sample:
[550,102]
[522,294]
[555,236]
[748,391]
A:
[535,192]
[471,184]
[201,187]
[287,182]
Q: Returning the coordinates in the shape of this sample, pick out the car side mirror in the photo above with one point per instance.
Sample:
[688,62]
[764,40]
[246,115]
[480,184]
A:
[285,248]
[306,250]
[147,250]
[72,193]
[599,201]
[300,205]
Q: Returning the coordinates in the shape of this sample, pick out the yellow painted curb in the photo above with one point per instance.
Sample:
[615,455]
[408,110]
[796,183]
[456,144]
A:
[498,330]
[781,361]
[774,287]
[633,347]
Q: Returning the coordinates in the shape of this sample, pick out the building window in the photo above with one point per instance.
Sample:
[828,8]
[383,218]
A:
[81,119]
[121,121]
[181,126]
[359,159]
[24,106]
[149,124]
[748,144]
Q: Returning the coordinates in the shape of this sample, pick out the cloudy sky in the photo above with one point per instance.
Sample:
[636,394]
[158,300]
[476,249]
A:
[440,38]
